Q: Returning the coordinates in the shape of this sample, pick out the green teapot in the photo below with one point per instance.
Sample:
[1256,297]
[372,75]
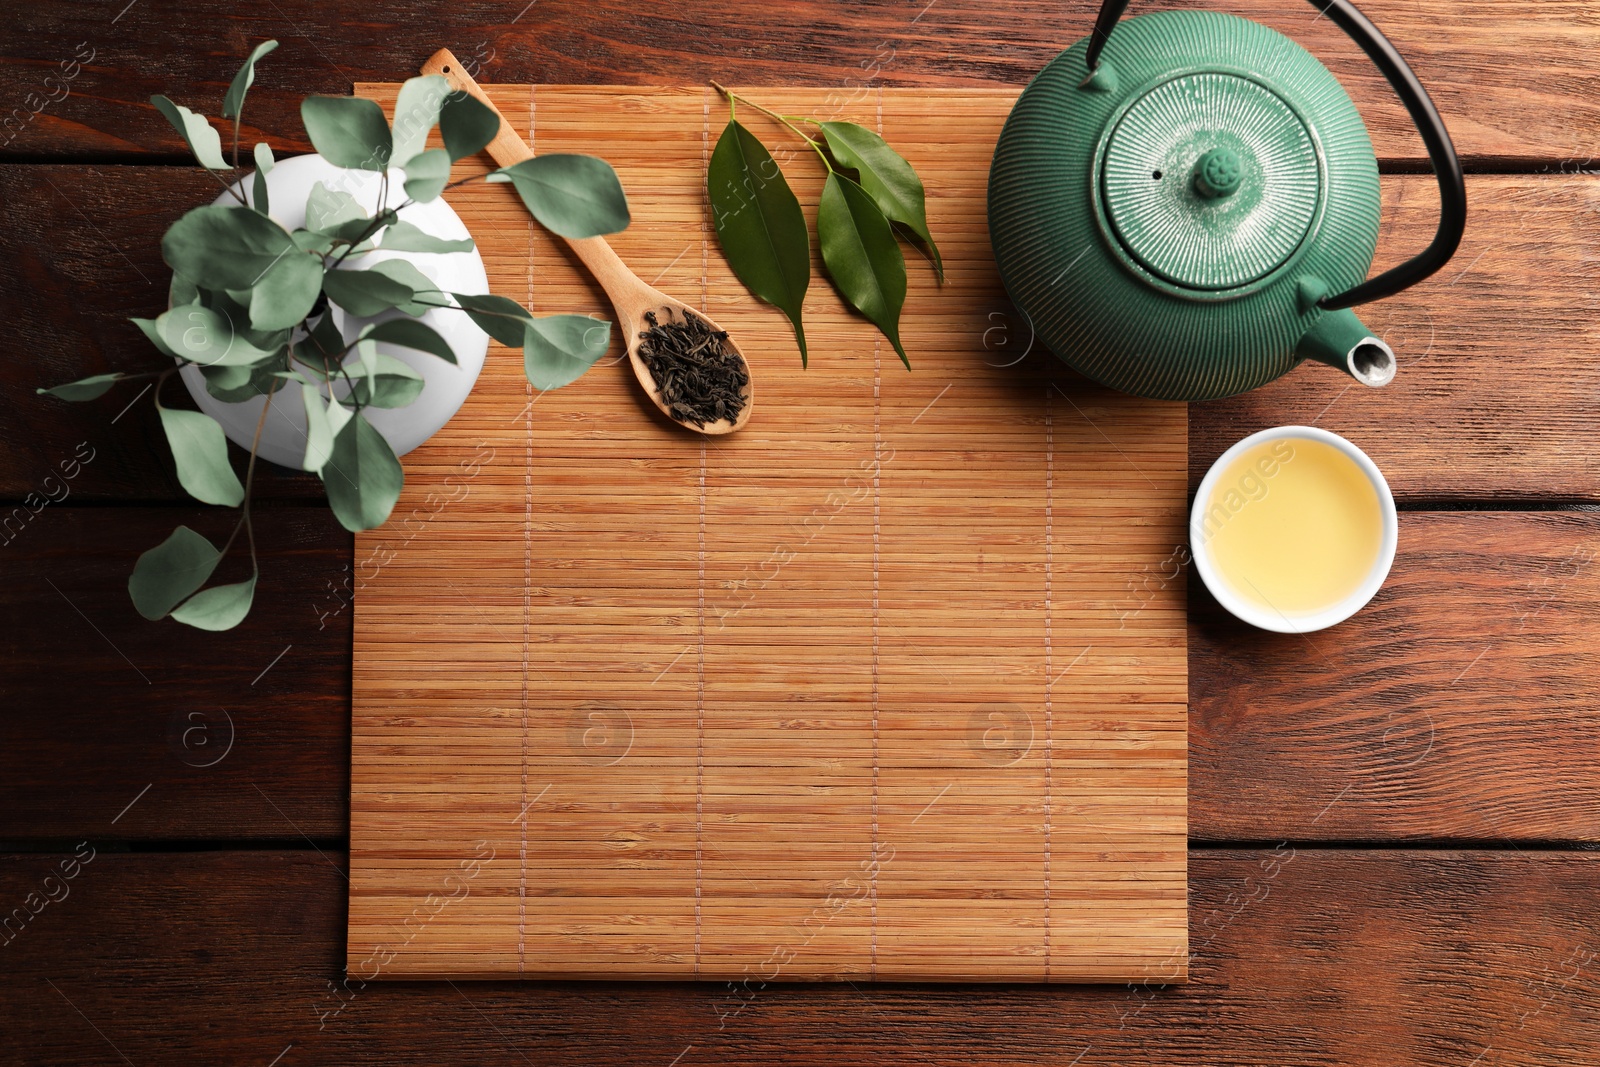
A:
[1186,209]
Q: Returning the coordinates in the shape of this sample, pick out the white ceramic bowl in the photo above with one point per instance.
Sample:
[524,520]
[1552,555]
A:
[283,437]
[1265,618]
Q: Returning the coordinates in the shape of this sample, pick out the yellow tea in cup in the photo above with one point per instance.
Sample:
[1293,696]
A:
[1294,527]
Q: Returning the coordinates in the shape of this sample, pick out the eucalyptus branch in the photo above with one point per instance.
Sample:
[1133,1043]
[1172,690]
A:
[250,481]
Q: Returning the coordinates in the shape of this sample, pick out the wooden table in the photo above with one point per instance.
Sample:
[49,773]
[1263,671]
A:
[1394,823]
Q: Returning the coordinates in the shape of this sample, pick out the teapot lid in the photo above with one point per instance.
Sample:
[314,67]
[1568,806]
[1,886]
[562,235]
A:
[1210,180]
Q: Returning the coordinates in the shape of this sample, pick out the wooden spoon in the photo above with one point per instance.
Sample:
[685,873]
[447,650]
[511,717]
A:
[630,295]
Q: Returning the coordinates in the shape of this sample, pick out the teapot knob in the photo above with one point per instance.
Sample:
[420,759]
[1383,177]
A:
[1217,173]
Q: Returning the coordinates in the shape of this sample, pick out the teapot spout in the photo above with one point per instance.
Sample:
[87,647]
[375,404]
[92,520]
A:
[1341,340]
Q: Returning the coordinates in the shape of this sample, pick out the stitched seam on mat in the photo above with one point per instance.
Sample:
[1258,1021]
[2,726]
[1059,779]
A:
[527,613]
[700,586]
[1049,746]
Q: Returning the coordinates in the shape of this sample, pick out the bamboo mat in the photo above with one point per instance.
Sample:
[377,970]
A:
[889,685]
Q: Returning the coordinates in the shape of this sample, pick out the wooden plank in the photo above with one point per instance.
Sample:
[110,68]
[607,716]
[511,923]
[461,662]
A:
[872,709]
[244,734]
[1496,392]
[1420,959]
[1388,725]
[1512,77]
[1435,712]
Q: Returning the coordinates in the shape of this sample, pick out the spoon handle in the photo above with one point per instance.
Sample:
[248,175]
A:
[628,292]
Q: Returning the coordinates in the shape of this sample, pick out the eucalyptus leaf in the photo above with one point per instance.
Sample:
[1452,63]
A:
[363,478]
[166,574]
[467,125]
[348,131]
[232,385]
[402,236]
[148,327]
[416,112]
[557,349]
[238,314]
[307,241]
[410,333]
[862,256]
[181,291]
[264,162]
[500,317]
[200,335]
[328,209]
[424,287]
[233,102]
[198,134]
[286,292]
[360,229]
[391,284]
[84,388]
[222,247]
[427,174]
[327,343]
[201,451]
[324,420]
[571,195]
[205,337]
[887,178]
[392,384]
[222,607]
[760,224]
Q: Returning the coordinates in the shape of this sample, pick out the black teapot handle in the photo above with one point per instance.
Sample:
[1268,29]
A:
[1442,153]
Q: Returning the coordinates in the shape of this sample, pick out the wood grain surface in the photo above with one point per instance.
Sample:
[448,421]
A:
[1390,728]
[599,651]
[1459,707]
[1301,956]
[1497,392]
[1514,78]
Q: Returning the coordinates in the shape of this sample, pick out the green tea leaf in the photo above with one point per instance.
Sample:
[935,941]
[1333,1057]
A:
[466,125]
[198,134]
[557,349]
[500,317]
[166,574]
[410,333]
[427,174]
[84,388]
[402,236]
[760,225]
[233,102]
[221,247]
[363,477]
[862,255]
[264,162]
[328,209]
[286,292]
[392,384]
[887,178]
[571,195]
[222,607]
[416,112]
[324,420]
[200,335]
[348,131]
[233,385]
[201,451]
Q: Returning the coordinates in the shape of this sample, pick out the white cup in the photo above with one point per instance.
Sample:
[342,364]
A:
[1265,617]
